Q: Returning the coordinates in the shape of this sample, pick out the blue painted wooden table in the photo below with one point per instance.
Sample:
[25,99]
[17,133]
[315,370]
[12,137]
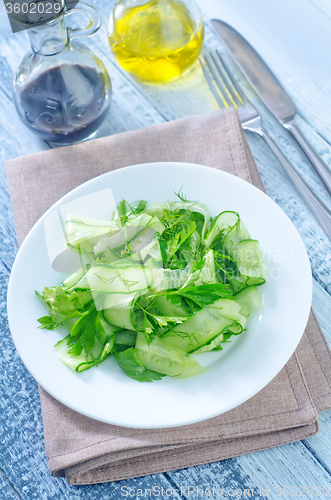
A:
[294,38]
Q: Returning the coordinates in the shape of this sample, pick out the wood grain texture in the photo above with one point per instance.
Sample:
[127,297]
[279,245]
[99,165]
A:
[293,37]
[260,470]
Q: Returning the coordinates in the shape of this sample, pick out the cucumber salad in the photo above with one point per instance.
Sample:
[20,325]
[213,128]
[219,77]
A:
[160,283]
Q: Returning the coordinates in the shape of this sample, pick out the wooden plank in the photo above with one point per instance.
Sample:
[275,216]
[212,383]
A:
[323,5]
[320,446]
[322,308]
[8,492]
[291,466]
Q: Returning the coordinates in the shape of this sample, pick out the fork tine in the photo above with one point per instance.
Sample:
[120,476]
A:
[211,85]
[235,101]
[232,80]
[218,81]
[222,85]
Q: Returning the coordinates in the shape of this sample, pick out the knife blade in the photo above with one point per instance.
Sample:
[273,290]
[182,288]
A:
[268,89]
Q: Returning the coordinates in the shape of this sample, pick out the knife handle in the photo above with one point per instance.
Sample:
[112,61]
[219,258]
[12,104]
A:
[321,169]
[317,207]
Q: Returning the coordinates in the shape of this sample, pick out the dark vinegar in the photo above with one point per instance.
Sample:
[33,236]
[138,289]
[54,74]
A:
[65,104]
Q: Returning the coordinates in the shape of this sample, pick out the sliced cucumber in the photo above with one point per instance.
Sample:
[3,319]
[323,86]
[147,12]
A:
[249,260]
[73,279]
[222,224]
[211,345]
[143,242]
[245,252]
[111,256]
[126,338]
[166,279]
[125,234]
[155,252]
[238,233]
[205,325]
[83,362]
[118,309]
[82,232]
[161,358]
[166,307]
[118,277]
[249,299]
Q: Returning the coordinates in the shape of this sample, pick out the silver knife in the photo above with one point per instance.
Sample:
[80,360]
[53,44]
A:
[268,89]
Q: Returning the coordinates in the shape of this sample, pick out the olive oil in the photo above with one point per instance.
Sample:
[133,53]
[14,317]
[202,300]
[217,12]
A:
[157,41]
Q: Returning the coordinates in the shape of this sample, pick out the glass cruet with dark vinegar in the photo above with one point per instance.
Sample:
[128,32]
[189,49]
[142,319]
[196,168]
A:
[156,40]
[62,90]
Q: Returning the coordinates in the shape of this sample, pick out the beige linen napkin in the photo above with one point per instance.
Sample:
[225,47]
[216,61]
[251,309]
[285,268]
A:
[87,451]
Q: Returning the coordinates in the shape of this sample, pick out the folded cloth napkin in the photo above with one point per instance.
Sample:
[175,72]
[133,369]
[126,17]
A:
[86,451]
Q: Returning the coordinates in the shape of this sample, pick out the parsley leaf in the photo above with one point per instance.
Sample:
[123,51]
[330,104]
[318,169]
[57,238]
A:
[202,295]
[86,331]
[46,323]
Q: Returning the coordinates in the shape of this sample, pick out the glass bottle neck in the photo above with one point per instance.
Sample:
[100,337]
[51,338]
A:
[49,38]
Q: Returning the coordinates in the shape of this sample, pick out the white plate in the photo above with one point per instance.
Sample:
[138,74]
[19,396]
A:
[238,372]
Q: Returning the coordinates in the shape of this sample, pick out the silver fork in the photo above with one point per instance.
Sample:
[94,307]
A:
[227,93]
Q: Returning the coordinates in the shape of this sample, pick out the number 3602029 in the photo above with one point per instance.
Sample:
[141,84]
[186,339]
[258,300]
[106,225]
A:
[33,8]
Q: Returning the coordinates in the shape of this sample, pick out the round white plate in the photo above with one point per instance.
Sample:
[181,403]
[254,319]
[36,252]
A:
[245,365]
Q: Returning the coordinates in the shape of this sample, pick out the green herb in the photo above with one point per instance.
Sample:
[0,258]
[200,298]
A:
[202,295]
[46,323]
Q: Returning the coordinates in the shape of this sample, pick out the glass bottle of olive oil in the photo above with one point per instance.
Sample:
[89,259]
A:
[156,40]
